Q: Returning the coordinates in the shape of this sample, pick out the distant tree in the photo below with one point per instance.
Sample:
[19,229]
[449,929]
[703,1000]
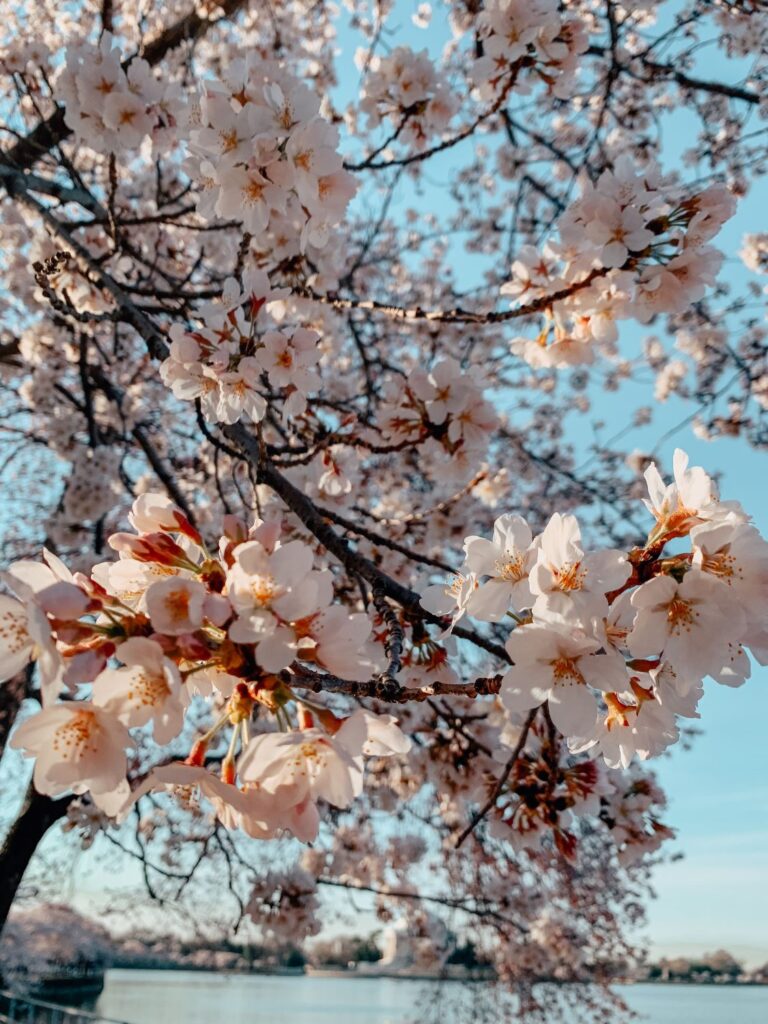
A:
[294,958]
[49,939]
[367,951]
[721,962]
[467,956]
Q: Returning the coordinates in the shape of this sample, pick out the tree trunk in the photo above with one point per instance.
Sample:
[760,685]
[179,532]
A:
[36,816]
[12,693]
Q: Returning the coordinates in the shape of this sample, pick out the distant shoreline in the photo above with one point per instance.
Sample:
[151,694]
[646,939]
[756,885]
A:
[339,974]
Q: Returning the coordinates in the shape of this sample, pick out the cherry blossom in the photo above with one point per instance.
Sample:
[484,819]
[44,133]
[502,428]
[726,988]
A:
[269,589]
[569,584]
[25,631]
[113,109]
[735,554]
[175,606]
[146,689]
[617,231]
[77,746]
[687,622]
[338,641]
[18,643]
[558,667]
[513,30]
[635,725]
[261,143]
[381,738]
[300,765]
[630,250]
[221,363]
[152,512]
[446,397]
[507,561]
[691,499]
[452,599]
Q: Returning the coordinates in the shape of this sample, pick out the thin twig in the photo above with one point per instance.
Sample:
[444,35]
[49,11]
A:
[491,801]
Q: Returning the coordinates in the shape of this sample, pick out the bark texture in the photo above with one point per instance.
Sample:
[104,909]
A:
[36,816]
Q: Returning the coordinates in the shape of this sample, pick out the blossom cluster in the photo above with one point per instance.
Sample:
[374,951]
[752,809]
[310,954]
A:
[755,252]
[632,813]
[233,359]
[532,34]
[91,487]
[441,409]
[264,156]
[548,790]
[405,87]
[135,643]
[24,56]
[627,248]
[617,645]
[113,108]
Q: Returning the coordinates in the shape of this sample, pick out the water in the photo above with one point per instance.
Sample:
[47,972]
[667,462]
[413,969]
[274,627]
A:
[168,997]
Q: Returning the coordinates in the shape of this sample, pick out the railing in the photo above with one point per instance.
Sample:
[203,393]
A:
[16,1009]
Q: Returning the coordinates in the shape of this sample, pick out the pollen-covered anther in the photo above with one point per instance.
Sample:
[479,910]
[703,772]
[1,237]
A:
[566,672]
[680,615]
[511,568]
[570,577]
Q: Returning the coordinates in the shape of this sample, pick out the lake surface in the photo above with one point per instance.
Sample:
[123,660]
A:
[168,997]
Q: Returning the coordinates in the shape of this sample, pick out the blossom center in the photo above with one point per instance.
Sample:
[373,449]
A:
[617,712]
[75,737]
[177,605]
[149,690]
[262,590]
[511,568]
[254,191]
[570,577]
[721,564]
[565,671]
[229,140]
[13,632]
[615,634]
[680,615]
[456,586]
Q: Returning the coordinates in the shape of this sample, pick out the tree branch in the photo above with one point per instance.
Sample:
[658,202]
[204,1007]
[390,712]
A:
[491,801]
[54,130]
[386,690]
[457,315]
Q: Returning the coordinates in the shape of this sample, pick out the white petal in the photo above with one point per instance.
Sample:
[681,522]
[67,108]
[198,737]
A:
[573,710]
